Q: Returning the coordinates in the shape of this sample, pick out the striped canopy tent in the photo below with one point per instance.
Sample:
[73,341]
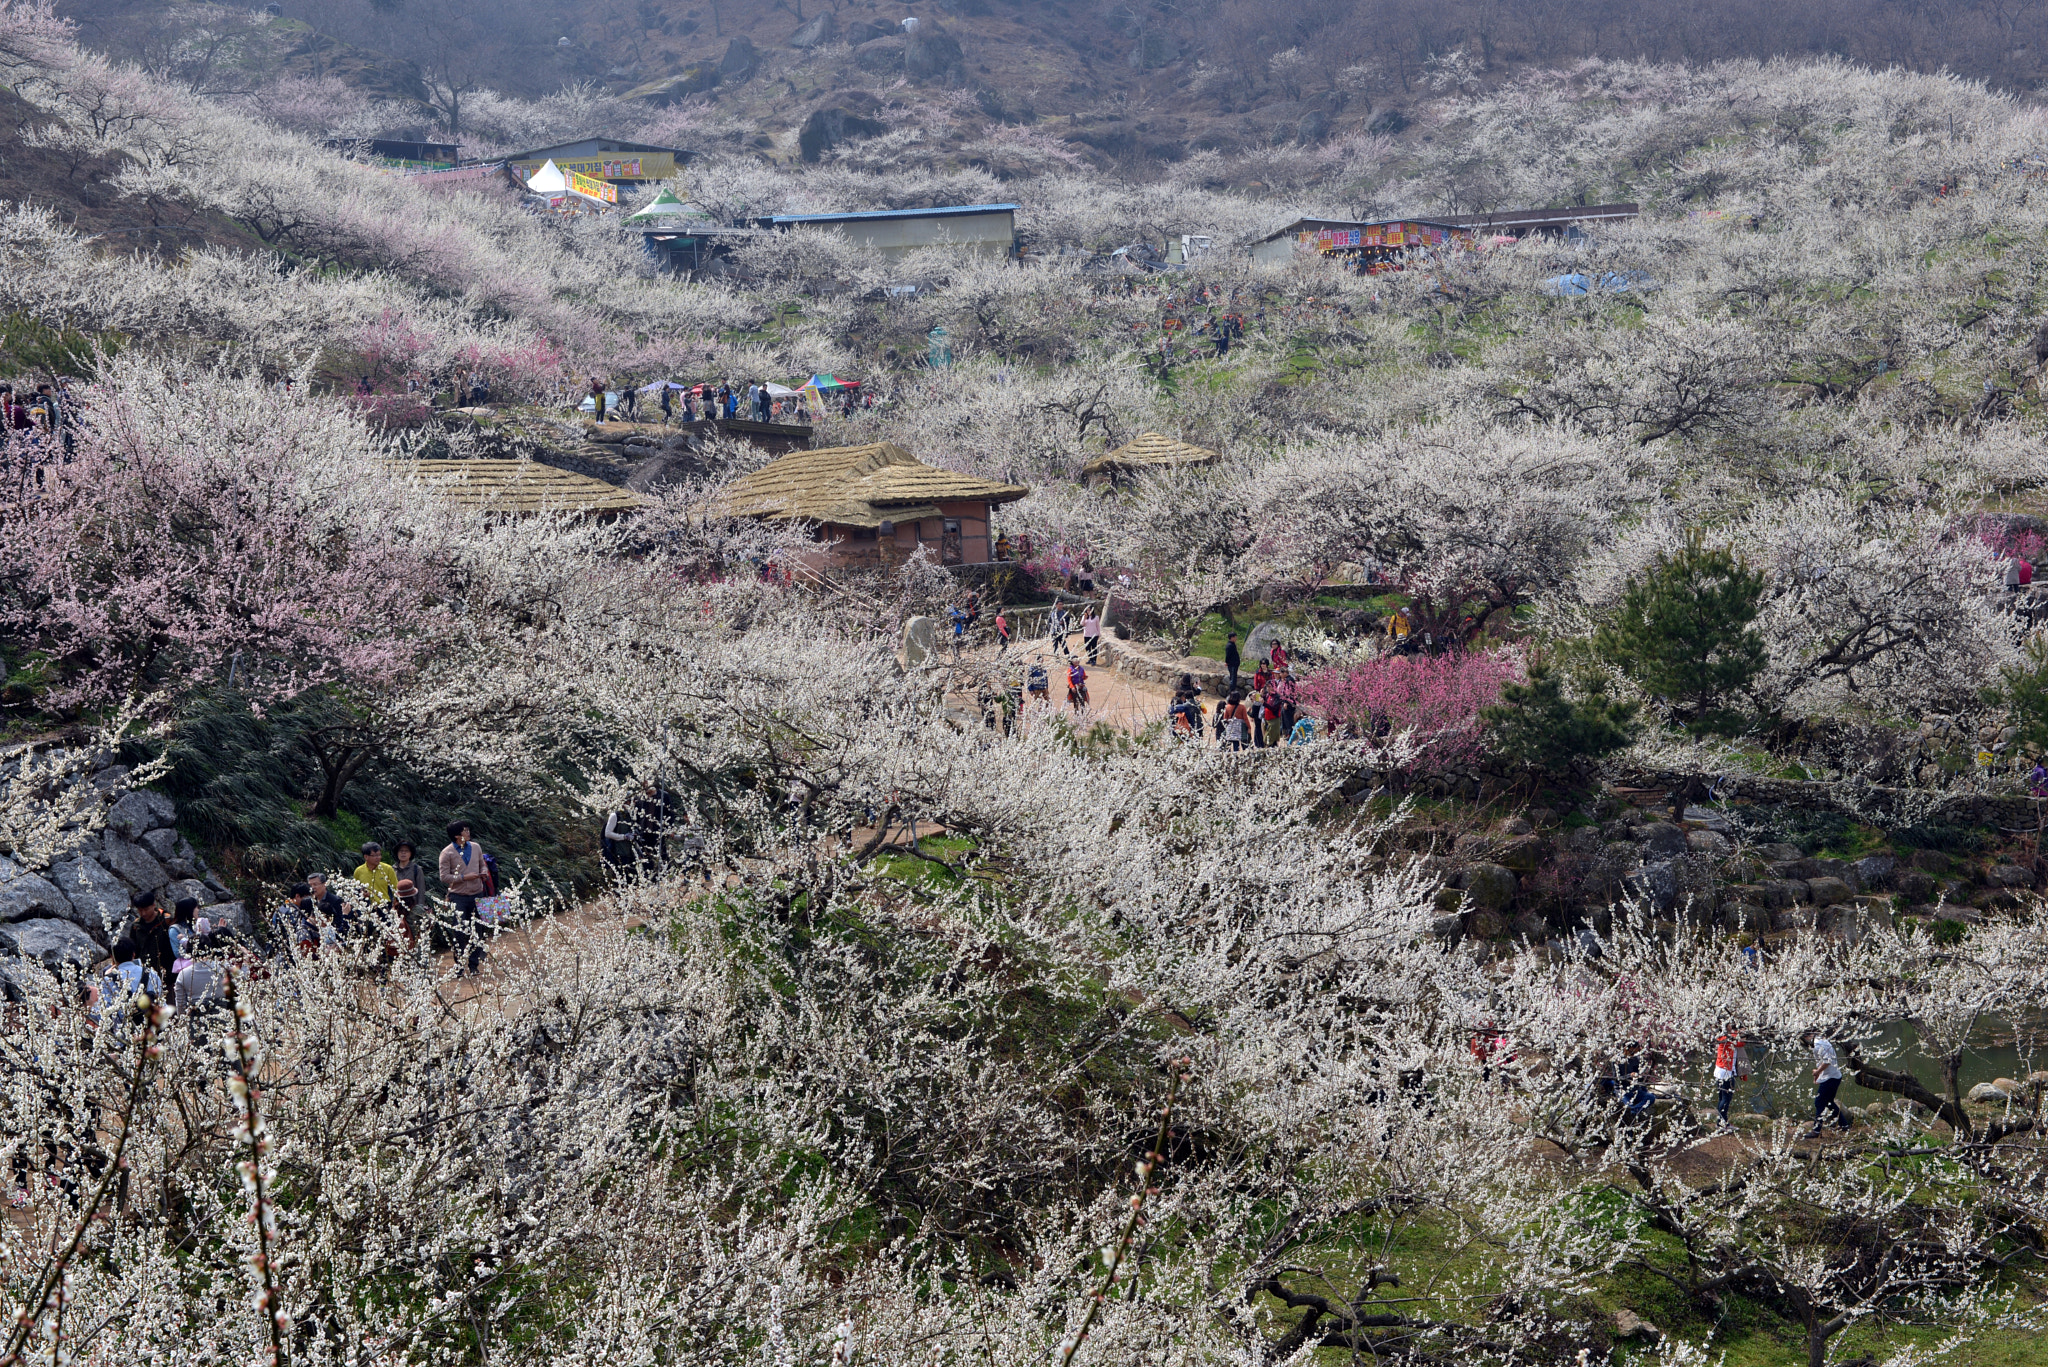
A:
[826,383]
[663,205]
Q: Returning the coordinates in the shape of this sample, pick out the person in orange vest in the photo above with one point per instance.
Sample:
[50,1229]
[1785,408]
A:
[1731,1064]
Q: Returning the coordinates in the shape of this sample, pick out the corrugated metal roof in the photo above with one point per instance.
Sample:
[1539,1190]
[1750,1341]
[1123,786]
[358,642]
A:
[518,486]
[607,145]
[1543,218]
[855,486]
[951,211]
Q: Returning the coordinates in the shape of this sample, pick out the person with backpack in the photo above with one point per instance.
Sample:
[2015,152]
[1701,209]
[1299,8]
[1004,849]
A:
[1038,683]
[466,874]
[151,934]
[126,978]
[1077,686]
[1233,723]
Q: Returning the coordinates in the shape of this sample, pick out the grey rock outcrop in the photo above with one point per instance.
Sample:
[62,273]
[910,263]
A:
[1489,886]
[818,32]
[24,894]
[50,942]
[140,811]
[132,864]
[171,850]
[233,915]
[99,901]
[177,891]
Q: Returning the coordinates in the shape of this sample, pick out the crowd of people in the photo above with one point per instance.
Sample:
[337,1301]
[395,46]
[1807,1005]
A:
[43,413]
[1264,715]
[727,400]
[182,959]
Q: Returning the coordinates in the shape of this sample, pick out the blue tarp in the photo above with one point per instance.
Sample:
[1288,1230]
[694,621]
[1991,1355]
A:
[1611,282]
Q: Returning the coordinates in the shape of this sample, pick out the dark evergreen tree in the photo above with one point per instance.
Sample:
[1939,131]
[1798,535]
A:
[1536,726]
[1685,633]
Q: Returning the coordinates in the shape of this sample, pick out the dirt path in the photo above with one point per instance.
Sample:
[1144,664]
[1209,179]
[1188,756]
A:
[1113,696]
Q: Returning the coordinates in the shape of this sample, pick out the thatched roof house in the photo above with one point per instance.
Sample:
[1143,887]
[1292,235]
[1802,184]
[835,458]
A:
[874,504]
[520,486]
[1146,451]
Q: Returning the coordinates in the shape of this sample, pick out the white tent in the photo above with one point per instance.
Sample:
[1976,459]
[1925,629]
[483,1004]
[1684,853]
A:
[548,180]
[780,391]
[663,205]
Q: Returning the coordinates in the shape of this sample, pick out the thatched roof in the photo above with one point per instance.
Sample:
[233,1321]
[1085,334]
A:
[855,486]
[1148,449]
[519,486]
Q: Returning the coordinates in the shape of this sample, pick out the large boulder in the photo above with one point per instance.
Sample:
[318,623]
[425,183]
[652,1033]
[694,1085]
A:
[1780,893]
[817,33]
[50,942]
[1875,871]
[1490,887]
[832,126]
[24,894]
[2009,876]
[740,59]
[139,811]
[1523,853]
[175,892]
[233,915]
[692,80]
[1662,840]
[1708,843]
[933,52]
[920,640]
[1826,892]
[99,901]
[132,864]
[881,55]
[1801,868]
[1772,854]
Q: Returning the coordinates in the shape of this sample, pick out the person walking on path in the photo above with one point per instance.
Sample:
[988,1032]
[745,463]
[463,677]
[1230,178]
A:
[465,875]
[1002,632]
[1077,687]
[958,617]
[1731,1064]
[1091,632]
[1232,658]
[376,875]
[1038,684]
[1233,722]
[597,398]
[1056,628]
[1827,1080]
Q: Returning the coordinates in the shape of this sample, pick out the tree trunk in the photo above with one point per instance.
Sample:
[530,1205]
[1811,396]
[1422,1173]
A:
[1948,1108]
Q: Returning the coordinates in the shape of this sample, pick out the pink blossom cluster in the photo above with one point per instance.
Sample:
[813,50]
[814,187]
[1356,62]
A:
[1435,697]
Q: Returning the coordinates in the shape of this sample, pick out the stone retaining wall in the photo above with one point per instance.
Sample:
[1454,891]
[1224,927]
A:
[1164,670]
[74,910]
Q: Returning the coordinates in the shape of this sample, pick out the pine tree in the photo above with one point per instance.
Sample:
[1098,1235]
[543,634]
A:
[1535,725]
[1684,632]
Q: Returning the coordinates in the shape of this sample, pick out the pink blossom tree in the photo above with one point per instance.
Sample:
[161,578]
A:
[203,526]
[1434,698]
